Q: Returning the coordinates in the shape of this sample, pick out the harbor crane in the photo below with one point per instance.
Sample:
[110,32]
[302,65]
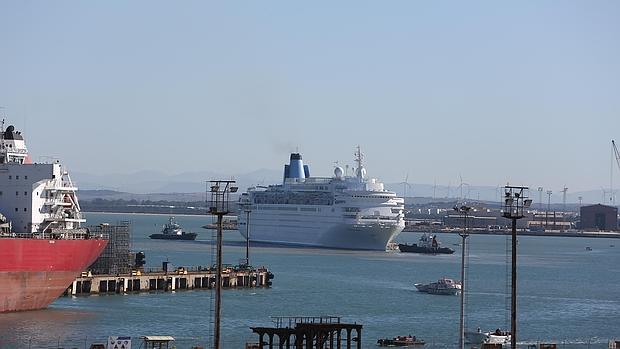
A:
[616,153]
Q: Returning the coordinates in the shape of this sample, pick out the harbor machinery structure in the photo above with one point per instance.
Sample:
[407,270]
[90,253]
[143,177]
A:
[515,202]
[219,191]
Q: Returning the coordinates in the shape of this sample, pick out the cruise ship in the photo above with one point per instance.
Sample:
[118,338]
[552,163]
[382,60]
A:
[343,212]
[42,245]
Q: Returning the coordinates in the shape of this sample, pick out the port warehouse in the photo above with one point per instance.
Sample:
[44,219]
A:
[600,217]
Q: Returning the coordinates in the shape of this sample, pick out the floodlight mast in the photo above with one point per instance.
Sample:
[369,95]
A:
[515,202]
[218,205]
[463,210]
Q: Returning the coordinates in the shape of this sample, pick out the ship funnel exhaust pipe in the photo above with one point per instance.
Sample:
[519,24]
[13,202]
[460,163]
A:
[296,167]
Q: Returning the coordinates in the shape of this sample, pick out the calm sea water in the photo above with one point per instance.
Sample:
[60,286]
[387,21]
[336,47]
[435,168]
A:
[567,295]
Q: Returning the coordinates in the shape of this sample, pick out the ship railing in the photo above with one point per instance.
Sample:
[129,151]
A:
[77,234]
[380,218]
[227,268]
[292,321]
[55,202]
[18,151]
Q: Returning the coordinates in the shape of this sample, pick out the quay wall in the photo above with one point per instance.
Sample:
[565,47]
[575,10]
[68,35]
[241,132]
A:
[170,281]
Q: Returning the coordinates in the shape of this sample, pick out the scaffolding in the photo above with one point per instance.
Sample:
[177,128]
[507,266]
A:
[116,258]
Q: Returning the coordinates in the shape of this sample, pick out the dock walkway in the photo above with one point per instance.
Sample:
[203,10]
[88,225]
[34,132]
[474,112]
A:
[181,279]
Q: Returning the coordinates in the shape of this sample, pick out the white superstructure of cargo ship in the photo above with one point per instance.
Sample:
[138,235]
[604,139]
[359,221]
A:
[347,212]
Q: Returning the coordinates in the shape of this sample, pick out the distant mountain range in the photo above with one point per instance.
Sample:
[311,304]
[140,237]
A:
[191,186]
[145,182]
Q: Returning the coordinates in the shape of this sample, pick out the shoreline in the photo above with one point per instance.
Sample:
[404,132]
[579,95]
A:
[584,234]
[577,234]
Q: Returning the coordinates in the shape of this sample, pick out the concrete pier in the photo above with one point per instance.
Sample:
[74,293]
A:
[180,279]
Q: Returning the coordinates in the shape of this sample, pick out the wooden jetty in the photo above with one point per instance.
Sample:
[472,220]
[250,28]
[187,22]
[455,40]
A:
[179,279]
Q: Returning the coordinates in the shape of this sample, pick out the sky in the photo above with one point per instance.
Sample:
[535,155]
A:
[491,92]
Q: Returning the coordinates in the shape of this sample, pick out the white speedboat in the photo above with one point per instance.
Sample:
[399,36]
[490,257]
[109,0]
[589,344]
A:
[442,286]
[479,337]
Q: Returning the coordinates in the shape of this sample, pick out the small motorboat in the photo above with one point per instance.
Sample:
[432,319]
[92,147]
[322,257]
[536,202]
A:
[400,341]
[443,286]
[392,247]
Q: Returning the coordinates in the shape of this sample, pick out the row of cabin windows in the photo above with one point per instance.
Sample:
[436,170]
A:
[17,177]
[371,196]
[17,193]
[17,209]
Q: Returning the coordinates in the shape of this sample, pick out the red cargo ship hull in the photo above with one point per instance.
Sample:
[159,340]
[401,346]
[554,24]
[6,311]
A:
[34,272]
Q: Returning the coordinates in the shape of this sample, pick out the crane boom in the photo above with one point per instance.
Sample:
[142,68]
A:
[616,153]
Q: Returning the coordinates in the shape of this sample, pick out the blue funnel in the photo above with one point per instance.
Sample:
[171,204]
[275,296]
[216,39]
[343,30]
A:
[296,167]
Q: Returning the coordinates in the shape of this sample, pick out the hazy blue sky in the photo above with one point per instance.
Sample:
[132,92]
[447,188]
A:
[526,92]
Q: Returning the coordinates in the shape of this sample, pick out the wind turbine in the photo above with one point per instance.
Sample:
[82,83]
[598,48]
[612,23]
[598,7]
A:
[405,185]
[461,188]
[564,190]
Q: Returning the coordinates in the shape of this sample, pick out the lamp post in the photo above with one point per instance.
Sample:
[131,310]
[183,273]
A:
[218,206]
[515,201]
[540,203]
[463,210]
[247,236]
[549,192]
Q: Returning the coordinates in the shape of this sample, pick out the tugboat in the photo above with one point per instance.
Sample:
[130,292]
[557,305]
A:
[442,286]
[173,231]
[428,244]
[400,341]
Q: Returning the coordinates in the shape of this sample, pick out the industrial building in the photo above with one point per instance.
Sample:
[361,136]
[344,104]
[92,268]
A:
[598,217]
[550,221]
[473,221]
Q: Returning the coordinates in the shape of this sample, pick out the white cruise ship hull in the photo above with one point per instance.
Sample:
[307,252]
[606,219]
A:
[343,212]
[370,236]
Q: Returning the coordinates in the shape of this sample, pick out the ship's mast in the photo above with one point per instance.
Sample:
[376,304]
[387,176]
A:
[358,159]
